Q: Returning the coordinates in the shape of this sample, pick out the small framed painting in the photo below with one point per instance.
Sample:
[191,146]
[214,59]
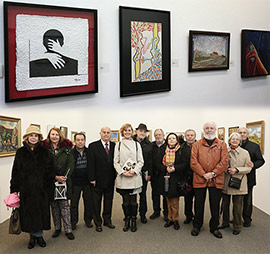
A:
[232,129]
[256,133]
[10,135]
[115,136]
[64,130]
[221,133]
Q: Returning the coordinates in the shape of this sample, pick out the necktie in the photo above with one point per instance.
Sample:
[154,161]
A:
[106,148]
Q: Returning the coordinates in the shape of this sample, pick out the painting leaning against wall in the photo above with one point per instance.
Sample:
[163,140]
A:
[10,135]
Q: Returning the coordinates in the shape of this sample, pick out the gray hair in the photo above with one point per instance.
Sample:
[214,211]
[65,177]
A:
[213,123]
[238,135]
[159,130]
[190,130]
[244,129]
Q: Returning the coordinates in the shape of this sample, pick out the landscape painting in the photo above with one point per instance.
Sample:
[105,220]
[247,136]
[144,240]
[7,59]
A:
[208,51]
[255,53]
[256,133]
[10,135]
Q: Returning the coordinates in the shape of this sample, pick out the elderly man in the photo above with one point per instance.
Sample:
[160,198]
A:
[102,175]
[257,161]
[158,145]
[190,137]
[209,160]
[146,145]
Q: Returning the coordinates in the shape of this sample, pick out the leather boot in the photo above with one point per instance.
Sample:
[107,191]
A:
[127,224]
[41,242]
[133,227]
[32,242]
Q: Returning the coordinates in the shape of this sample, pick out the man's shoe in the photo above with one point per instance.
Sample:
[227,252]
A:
[41,241]
[168,224]
[247,224]
[127,224]
[154,216]
[223,226]
[216,233]
[56,233]
[143,219]
[133,226]
[73,226]
[109,225]
[88,224]
[195,231]
[70,236]
[176,225]
[236,232]
[187,220]
[98,228]
[165,217]
[32,242]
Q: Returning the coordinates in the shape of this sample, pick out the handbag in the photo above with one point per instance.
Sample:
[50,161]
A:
[14,222]
[235,182]
[182,187]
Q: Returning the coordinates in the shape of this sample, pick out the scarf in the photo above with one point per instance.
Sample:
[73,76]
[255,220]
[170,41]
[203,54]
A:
[169,156]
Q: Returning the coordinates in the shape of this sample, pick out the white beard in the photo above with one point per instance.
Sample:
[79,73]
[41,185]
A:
[209,137]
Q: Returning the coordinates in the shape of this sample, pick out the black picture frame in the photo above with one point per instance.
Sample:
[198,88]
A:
[255,53]
[83,86]
[161,80]
[211,42]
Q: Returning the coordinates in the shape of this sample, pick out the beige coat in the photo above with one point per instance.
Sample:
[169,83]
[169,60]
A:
[128,150]
[238,158]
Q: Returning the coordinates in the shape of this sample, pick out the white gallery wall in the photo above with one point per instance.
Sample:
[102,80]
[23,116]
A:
[220,96]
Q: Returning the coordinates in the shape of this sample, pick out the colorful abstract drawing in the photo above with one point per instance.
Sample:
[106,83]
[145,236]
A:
[146,53]
[255,53]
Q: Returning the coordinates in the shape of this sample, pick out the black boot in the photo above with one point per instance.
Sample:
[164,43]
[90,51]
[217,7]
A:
[133,227]
[32,242]
[127,224]
[41,241]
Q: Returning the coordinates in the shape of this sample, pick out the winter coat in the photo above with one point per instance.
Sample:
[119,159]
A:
[33,175]
[205,158]
[256,157]
[179,165]
[64,160]
[187,172]
[155,156]
[238,159]
[124,150]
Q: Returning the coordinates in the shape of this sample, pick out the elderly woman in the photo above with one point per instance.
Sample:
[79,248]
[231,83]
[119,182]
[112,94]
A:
[239,166]
[60,147]
[171,166]
[128,162]
[32,177]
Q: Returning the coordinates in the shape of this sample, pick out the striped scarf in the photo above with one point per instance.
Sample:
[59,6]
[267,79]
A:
[169,156]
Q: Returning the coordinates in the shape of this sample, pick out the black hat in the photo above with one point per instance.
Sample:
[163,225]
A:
[142,127]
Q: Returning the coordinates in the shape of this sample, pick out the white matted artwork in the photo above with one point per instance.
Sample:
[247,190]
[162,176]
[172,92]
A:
[58,44]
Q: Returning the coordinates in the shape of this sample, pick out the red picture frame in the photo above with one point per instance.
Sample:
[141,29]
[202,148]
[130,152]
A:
[11,10]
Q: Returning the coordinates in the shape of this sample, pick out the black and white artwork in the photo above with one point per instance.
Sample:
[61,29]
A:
[52,52]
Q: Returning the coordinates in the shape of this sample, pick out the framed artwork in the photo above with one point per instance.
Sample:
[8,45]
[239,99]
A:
[208,51]
[50,51]
[256,133]
[37,125]
[10,135]
[64,130]
[255,53]
[221,133]
[149,135]
[232,129]
[115,136]
[72,136]
[145,53]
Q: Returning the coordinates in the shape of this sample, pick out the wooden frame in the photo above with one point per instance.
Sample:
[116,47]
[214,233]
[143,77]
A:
[256,133]
[115,137]
[232,129]
[145,52]
[10,135]
[255,53]
[64,130]
[208,51]
[58,59]
[221,133]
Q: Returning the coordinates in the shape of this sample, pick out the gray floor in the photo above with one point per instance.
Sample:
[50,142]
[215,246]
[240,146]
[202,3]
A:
[150,238]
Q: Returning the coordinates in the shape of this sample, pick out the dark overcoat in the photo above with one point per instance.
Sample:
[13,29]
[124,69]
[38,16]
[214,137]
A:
[33,175]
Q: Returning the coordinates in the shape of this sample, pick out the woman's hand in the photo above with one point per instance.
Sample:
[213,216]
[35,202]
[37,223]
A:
[170,169]
[60,179]
[232,171]
[250,164]
[129,173]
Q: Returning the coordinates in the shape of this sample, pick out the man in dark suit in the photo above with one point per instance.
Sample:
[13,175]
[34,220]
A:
[102,176]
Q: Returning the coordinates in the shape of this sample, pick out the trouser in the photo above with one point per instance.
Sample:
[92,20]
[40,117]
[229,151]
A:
[214,201]
[237,210]
[37,234]
[129,205]
[247,205]
[87,201]
[107,195]
[156,197]
[173,209]
[60,209]
[189,204]
[143,202]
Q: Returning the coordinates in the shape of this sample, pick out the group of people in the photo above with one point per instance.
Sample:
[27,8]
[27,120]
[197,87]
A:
[48,173]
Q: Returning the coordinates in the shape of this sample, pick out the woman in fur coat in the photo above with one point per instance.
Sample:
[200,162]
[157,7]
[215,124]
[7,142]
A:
[33,175]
